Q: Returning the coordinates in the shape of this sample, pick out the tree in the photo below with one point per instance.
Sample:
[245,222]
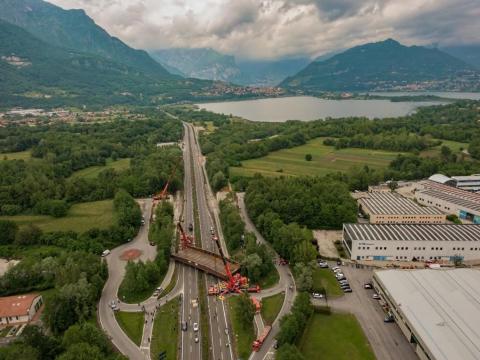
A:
[253,266]
[393,185]
[48,347]
[219,181]
[245,309]
[82,351]
[308,157]
[29,235]
[289,352]
[8,231]
[304,278]
[85,333]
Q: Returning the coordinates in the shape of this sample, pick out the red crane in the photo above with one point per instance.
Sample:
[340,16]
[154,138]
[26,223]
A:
[161,195]
[186,240]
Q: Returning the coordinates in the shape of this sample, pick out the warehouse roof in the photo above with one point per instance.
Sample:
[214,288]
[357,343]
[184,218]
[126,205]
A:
[388,203]
[440,306]
[451,190]
[412,232]
[441,179]
[467,204]
[467,178]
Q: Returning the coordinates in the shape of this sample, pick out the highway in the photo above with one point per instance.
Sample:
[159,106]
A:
[220,341]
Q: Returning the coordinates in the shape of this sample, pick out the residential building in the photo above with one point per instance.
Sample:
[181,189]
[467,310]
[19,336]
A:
[410,242]
[437,310]
[392,208]
[19,309]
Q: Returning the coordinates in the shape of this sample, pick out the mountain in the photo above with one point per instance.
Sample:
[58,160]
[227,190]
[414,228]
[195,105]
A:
[200,63]
[468,53]
[33,72]
[206,63]
[386,65]
[269,72]
[73,29]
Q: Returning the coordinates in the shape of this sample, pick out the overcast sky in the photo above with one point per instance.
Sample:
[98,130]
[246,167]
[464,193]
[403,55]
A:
[268,29]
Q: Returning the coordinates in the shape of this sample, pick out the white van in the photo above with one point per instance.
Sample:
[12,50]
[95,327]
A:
[105,253]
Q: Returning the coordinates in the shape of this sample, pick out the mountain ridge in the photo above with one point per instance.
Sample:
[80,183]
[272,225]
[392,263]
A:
[385,65]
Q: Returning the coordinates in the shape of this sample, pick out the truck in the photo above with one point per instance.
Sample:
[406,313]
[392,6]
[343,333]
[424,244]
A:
[257,304]
[257,344]
[254,289]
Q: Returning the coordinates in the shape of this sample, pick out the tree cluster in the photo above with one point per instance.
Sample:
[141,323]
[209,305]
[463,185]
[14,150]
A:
[293,325]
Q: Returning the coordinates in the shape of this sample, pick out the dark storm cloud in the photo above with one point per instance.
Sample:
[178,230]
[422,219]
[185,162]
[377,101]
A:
[278,28]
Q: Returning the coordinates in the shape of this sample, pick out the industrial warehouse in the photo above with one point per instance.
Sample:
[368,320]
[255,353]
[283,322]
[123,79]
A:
[392,208]
[410,242]
[464,204]
[437,310]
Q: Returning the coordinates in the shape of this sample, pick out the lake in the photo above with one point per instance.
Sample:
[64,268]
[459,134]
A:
[307,108]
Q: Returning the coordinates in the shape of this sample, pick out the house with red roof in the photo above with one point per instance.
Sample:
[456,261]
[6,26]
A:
[19,309]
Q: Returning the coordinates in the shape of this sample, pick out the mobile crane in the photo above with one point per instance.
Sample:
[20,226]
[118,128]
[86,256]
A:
[185,240]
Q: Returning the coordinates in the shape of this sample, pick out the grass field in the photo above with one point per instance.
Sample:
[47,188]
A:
[324,278]
[80,218]
[166,331]
[455,146]
[131,324]
[244,336]
[93,171]
[325,159]
[271,307]
[21,155]
[335,337]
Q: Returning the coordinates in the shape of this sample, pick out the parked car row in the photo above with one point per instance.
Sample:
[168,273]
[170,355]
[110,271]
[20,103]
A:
[342,280]
[322,264]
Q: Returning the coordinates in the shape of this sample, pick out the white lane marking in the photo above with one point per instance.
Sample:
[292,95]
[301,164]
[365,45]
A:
[183,309]
[226,327]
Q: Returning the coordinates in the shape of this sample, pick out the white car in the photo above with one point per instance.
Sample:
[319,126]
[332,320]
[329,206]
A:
[105,253]
[195,327]
[317,296]
[376,296]
[337,270]
[196,339]
[339,275]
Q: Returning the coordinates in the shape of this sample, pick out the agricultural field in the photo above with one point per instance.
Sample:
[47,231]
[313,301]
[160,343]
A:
[455,146]
[325,159]
[93,171]
[80,218]
[21,155]
[335,337]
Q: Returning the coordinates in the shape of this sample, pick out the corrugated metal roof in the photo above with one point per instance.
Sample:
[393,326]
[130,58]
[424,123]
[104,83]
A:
[440,178]
[412,232]
[441,306]
[388,203]
[452,199]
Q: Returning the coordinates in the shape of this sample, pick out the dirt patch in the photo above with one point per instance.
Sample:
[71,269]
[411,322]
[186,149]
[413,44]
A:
[325,240]
[131,254]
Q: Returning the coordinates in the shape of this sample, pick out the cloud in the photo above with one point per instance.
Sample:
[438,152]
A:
[266,29]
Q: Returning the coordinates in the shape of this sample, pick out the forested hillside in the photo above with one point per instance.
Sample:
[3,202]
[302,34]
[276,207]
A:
[386,65]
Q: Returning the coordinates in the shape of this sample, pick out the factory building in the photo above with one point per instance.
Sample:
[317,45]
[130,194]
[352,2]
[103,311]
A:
[392,208]
[464,204]
[468,183]
[412,242]
[437,310]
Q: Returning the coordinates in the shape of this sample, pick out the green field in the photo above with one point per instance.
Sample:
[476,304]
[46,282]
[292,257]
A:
[325,159]
[93,171]
[271,307]
[166,331]
[244,335]
[335,337]
[324,278]
[455,146]
[80,218]
[131,324]
[21,155]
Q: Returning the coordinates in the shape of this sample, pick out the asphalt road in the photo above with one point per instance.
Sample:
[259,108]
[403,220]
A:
[116,270]
[386,339]
[286,284]
[220,341]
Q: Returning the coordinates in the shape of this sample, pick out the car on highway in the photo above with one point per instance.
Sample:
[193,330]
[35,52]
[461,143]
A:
[184,326]
[190,227]
[388,318]
[196,339]
[195,326]
[317,295]
[368,286]
[112,304]
[376,296]
[212,231]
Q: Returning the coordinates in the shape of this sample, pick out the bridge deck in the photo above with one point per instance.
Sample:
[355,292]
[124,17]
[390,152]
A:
[205,260]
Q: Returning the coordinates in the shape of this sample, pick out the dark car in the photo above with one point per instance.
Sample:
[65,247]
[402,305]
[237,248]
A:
[345,286]
[190,227]
[339,262]
[347,290]
[184,326]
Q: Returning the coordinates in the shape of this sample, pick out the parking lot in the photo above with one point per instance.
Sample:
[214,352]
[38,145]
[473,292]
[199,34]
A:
[386,339]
